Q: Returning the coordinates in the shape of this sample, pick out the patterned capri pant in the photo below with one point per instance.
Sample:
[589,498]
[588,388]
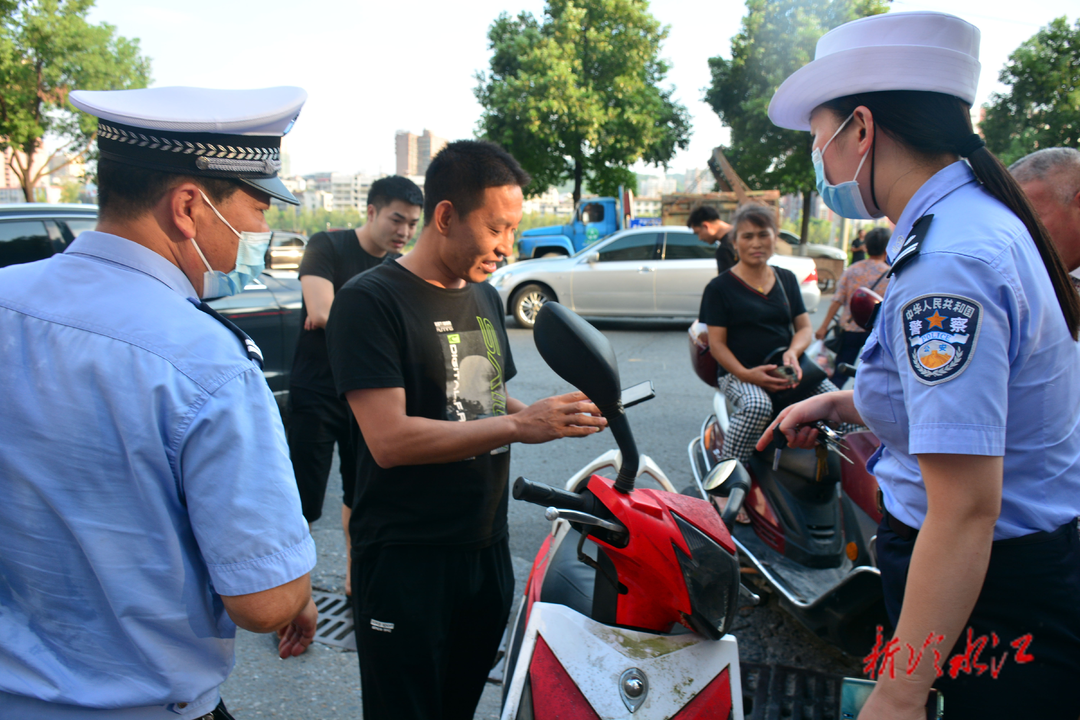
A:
[753,413]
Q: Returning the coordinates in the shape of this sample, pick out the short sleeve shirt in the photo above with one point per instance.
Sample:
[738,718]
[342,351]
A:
[337,257]
[447,348]
[862,274]
[756,323]
[142,455]
[971,355]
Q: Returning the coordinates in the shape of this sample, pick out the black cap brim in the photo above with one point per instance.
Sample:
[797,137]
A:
[273,187]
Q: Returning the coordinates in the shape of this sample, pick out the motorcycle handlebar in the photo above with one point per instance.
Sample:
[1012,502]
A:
[547,496]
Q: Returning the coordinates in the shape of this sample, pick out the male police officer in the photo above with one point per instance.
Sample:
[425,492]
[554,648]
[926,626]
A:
[149,501]
[1051,180]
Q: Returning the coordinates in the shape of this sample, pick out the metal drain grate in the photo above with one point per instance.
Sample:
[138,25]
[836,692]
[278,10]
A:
[776,692]
[335,620]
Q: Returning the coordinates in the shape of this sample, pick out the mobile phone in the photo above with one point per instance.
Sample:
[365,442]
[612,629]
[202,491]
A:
[786,371]
[637,394]
[855,691]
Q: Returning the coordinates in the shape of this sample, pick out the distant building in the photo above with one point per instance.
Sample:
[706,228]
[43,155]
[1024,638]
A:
[317,200]
[428,146]
[647,207]
[657,186]
[405,145]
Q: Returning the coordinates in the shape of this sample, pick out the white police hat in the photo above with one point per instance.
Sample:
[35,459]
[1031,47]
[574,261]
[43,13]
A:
[927,51]
[197,131]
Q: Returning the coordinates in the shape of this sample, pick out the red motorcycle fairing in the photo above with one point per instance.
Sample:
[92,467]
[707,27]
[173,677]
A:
[656,596]
[536,575]
[860,485]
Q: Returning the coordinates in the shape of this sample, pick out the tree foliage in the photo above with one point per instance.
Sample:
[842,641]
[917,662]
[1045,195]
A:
[1042,107]
[777,38]
[578,95]
[47,49]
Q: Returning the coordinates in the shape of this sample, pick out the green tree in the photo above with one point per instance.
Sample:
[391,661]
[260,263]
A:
[1042,106]
[777,38]
[47,49]
[578,96]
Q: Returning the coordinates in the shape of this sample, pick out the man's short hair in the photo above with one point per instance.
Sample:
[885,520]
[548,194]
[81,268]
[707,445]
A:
[463,170]
[1059,167]
[877,240]
[701,215]
[126,192]
[388,189]
[757,215]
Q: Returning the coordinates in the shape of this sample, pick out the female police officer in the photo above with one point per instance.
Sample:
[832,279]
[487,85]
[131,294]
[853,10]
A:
[970,378]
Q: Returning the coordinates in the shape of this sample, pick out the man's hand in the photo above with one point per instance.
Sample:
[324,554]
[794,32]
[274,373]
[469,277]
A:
[569,415]
[762,377]
[294,638]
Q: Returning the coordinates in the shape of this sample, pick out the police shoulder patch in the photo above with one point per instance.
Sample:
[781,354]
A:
[941,332]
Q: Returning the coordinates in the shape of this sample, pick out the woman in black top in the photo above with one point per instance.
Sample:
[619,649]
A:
[751,310]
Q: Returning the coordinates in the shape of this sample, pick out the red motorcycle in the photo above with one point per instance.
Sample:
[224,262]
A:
[630,598]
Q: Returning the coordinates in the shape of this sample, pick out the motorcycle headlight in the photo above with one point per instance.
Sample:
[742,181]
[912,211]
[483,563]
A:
[712,580]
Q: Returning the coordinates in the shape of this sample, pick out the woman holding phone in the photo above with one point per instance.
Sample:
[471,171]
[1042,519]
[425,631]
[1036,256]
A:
[752,311]
[969,377]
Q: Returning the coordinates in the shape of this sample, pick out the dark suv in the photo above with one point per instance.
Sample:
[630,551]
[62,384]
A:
[268,310]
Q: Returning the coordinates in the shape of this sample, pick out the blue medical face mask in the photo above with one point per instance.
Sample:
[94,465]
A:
[250,259]
[844,199]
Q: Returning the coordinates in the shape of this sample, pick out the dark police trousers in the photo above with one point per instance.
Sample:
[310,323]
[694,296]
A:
[428,625]
[1032,590]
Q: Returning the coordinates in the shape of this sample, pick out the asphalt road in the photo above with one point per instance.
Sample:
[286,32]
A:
[324,682]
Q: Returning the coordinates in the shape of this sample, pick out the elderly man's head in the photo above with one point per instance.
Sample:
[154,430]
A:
[1051,180]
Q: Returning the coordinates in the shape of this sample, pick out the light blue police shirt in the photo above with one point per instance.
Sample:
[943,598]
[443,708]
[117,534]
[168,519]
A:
[971,355]
[144,473]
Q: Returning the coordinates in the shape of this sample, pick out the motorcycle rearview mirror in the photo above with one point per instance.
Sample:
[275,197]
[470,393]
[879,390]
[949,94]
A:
[864,303]
[728,479]
[583,357]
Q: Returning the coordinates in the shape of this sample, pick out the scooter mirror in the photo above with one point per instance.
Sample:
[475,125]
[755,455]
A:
[716,477]
[863,302]
[726,475]
[578,353]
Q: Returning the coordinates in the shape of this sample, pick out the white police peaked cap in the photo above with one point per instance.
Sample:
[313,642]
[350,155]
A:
[197,131]
[926,51]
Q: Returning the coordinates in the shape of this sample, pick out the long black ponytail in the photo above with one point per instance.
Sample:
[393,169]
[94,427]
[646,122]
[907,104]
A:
[933,124]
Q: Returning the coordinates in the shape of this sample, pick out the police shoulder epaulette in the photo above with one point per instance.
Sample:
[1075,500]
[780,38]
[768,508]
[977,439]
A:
[910,249]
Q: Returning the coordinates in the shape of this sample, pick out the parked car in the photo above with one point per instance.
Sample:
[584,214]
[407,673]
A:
[830,261]
[286,250]
[641,272]
[268,310]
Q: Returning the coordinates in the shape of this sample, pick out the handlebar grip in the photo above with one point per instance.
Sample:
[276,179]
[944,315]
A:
[547,496]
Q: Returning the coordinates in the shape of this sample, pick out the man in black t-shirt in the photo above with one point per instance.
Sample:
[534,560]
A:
[418,347]
[318,418]
[706,223]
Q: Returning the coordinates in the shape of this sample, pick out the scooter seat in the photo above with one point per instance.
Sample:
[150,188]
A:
[568,581]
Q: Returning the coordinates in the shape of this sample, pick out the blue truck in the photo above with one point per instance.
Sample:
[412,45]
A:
[594,219]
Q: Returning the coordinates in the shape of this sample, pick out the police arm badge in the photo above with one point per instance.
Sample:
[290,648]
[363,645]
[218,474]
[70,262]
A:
[940,333]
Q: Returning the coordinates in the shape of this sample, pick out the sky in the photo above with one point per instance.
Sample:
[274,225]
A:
[373,68]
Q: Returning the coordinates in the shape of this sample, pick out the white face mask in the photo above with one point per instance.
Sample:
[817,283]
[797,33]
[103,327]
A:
[250,258]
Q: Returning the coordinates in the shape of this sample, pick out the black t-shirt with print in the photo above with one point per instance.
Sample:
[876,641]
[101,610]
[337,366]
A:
[448,350]
[338,257]
[756,324]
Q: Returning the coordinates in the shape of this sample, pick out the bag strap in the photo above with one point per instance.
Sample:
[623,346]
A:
[880,278]
[787,302]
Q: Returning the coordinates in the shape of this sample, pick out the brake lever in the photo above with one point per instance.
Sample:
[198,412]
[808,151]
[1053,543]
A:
[554,513]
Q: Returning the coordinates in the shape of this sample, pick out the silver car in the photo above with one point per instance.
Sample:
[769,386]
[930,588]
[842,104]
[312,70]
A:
[641,272]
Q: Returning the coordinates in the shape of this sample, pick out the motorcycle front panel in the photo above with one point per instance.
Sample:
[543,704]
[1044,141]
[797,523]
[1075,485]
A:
[570,659]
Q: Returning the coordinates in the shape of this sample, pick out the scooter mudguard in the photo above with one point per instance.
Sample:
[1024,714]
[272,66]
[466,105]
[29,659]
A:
[570,666]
